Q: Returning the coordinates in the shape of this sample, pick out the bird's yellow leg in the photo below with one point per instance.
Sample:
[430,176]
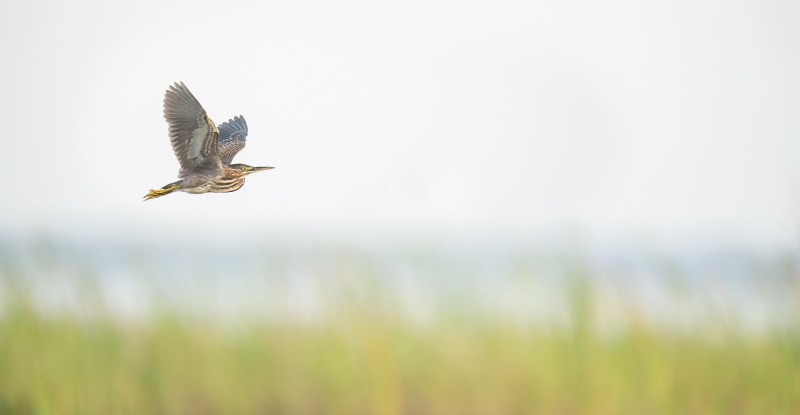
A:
[154,193]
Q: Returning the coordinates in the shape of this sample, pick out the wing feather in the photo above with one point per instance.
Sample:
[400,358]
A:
[232,138]
[192,133]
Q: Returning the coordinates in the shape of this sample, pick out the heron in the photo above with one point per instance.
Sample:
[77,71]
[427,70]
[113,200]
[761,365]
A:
[204,150]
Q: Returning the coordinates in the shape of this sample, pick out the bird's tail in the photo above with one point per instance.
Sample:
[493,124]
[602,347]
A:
[163,191]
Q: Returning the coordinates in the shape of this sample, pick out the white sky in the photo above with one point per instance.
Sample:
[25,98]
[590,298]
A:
[670,119]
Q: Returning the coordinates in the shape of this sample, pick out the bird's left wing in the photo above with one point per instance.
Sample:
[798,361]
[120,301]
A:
[232,138]
[192,133]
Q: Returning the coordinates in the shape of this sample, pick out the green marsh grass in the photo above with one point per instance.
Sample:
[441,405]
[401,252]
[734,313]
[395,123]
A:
[364,356]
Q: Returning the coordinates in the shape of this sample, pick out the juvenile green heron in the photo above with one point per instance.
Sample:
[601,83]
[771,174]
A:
[204,150]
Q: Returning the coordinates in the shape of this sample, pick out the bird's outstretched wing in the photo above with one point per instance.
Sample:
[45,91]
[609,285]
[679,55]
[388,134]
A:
[193,135]
[232,138]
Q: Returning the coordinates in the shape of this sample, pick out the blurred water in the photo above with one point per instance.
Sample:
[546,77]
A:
[305,281]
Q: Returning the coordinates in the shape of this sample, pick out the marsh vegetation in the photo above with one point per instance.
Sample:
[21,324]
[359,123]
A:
[342,330]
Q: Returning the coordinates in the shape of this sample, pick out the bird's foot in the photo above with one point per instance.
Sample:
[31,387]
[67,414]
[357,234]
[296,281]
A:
[154,193]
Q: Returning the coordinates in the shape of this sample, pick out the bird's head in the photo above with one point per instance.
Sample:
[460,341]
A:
[245,169]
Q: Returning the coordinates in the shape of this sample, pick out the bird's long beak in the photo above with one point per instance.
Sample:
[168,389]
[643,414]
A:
[255,169]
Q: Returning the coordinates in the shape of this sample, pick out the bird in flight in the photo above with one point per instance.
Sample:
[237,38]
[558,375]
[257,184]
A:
[205,151]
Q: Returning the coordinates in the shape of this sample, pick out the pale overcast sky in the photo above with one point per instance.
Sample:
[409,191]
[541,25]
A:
[669,119]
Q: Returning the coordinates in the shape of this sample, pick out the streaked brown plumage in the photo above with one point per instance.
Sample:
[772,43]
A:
[204,151]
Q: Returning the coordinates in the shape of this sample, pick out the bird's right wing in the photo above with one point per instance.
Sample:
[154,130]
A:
[192,133]
[232,138]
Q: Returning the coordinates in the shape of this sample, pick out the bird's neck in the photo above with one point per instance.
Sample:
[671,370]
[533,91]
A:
[231,173]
